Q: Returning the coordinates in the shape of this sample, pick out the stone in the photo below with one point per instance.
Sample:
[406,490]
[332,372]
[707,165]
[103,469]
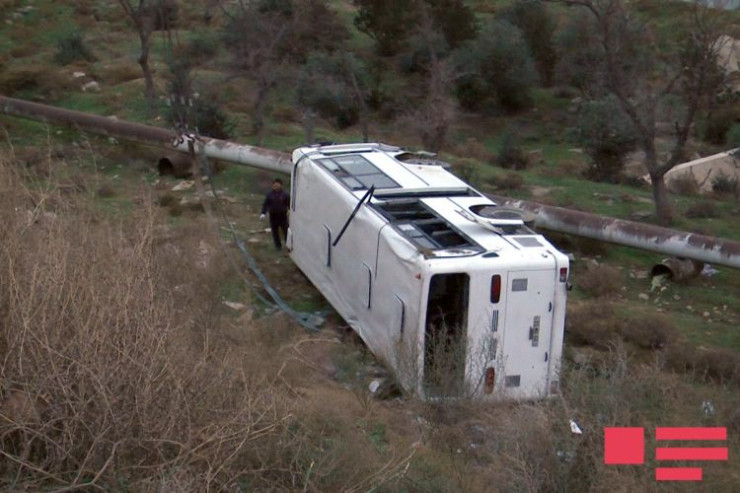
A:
[91,86]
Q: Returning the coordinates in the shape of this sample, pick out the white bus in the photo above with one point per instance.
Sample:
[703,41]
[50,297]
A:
[456,295]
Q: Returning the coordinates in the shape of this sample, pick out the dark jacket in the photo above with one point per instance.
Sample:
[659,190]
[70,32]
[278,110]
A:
[276,202]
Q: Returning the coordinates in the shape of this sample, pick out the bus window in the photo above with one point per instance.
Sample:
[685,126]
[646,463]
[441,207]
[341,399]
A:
[445,335]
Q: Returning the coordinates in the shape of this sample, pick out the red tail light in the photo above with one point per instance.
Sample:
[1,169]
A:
[495,288]
[490,380]
[563,274]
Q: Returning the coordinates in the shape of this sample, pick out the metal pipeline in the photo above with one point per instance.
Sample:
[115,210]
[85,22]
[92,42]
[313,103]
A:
[638,235]
[214,148]
[629,233]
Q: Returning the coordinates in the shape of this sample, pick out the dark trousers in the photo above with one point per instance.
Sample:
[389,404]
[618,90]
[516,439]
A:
[279,221]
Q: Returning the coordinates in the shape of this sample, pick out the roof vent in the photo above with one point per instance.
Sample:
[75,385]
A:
[492,215]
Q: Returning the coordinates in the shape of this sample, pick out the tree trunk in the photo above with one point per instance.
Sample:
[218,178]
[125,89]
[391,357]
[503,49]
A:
[309,126]
[663,208]
[258,121]
[151,95]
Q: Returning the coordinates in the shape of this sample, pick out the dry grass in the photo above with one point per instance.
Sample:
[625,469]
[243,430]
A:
[529,446]
[119,370]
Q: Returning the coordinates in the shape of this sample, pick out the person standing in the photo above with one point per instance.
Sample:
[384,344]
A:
[276,205]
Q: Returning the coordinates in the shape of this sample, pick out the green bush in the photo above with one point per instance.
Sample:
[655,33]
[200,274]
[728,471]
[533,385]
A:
[538,25]
[203,45]
[607,135]
[328,84]
[71,48]
[577,52]
[716,126]
[733,136]
[512,155]
[725,184]
[495,70]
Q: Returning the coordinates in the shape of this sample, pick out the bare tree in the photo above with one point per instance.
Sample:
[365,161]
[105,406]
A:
[266,37]
[436,111]
[656,79]
[148,16]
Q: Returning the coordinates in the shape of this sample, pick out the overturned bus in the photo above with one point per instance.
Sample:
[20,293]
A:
[455,294]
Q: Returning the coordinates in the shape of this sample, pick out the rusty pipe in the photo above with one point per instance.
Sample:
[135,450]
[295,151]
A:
[214,148]
[638,235]
[629,233]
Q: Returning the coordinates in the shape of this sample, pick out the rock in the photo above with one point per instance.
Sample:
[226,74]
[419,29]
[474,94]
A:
[183,185]
[706,314]
[234,305]
[640,216]
[643,296]
[78,75]
[91,86]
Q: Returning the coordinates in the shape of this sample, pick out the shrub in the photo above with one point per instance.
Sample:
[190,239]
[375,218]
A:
[599,280]
[203,45]
[512,155]
[71,48]
[113,361]
[684,184]
[495,70]
[702,210]
[716,126]
[594,324]
[387,26]
[607,135]
[510,181]
[579,57]
[120,71]
[721,365]
[538,25]
[327,85]
[650,331]
[202,114]
[733,136]
[725,184]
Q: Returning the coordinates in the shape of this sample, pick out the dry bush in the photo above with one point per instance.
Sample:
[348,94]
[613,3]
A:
[702,210]
[650,330]
[718,365]
[23,50]
[121,370]
[43,78]
[510,181]
[119,71]
[592,324]
[685,184]
[472,148]
[599,280]
[286,114]
[565,169]
[94,337]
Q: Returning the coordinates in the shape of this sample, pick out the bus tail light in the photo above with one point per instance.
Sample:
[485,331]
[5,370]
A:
[495,288]
[563,274]
[490,380]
